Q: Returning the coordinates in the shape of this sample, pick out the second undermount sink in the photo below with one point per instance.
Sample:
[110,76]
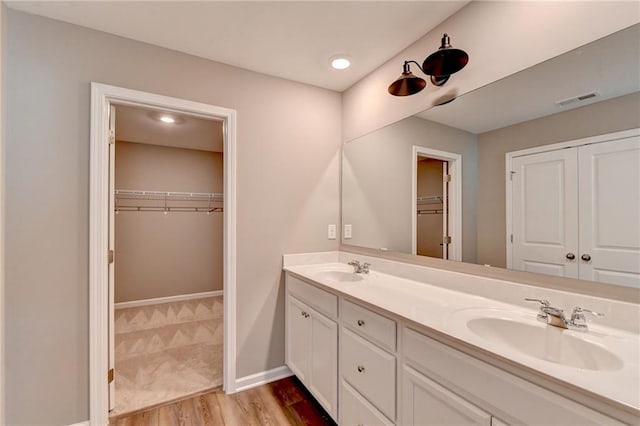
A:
[339,276]
[544,342]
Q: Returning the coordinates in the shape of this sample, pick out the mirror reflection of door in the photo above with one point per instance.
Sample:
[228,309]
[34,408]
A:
[431,202]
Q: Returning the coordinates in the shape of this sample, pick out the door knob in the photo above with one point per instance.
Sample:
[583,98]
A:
[570,256]
[586,257]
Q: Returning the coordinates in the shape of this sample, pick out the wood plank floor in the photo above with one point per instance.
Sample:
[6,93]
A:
[284,402]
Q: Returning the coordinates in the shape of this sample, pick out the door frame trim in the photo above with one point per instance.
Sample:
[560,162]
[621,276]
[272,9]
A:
[509,156]
[455,195]
[101,98]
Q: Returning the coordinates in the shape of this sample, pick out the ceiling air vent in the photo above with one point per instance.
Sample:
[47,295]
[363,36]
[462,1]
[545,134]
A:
[575,99]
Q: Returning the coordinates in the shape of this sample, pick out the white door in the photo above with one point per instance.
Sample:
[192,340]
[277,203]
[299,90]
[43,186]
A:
[610,212]
[445,210]
[545,213]
[425,402]
[111,260]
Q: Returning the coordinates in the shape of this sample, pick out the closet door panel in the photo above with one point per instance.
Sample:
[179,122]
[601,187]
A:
[545,211]
[610,212]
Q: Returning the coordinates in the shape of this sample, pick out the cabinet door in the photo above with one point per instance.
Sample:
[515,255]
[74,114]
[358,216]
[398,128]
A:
[424,402]
[298,336]
[610,212]
[323,356]
[545,213]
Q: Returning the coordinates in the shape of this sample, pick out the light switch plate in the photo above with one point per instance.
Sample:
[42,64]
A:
[331,232]
[347,231]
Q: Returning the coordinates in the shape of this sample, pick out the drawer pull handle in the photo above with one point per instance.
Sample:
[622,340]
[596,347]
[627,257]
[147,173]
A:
[360,323]
[361,369]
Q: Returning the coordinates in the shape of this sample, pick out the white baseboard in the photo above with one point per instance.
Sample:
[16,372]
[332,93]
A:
[85,423]
[178,298]
[262,378]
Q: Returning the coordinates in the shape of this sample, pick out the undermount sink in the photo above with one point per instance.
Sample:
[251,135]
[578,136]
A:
[339,276]
[545,342]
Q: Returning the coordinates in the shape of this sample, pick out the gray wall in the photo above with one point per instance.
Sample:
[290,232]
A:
[3,42]
[613,115]
[158,255]
[288,147]
[376,183]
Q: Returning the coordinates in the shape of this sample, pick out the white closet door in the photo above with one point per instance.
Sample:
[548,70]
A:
[610,212]
[545,211]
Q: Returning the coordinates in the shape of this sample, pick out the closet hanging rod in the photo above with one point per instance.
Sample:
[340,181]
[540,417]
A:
[434,211]
[169,209]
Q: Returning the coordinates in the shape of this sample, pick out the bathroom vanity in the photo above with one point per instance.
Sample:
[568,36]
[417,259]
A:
[408,344]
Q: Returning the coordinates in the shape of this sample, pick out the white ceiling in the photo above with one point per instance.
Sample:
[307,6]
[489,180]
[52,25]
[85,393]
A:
[289,39]
[142,125]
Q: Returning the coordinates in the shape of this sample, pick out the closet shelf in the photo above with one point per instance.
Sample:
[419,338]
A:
[430,211]
[129,194]
[165,201]
[430,199]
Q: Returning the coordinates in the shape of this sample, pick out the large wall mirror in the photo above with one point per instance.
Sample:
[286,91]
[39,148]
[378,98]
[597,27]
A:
[436,184]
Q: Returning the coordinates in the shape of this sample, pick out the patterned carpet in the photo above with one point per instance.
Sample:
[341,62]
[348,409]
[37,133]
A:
[166,351]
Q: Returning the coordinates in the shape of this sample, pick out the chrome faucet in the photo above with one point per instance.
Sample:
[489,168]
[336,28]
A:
[556,317]
[359,268]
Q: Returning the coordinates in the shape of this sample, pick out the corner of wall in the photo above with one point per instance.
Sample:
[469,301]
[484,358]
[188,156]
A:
[2,269]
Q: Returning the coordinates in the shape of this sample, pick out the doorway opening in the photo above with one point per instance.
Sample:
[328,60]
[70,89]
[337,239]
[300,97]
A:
[436,202]
[167,265]
[161,232]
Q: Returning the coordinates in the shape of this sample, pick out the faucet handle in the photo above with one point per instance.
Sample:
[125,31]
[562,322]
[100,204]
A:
[543,302]
[542,315]
[365,267]
[578,313]
[578,321]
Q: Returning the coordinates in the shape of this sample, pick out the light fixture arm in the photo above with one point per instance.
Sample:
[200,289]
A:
[405,67]
[435,80]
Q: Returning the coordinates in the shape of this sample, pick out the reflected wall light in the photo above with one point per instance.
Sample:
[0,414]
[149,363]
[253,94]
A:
[439,66]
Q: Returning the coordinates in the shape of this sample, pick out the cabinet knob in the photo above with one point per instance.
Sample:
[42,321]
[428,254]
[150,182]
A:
[361,369]
[586,257]
[570,256]
[360,323]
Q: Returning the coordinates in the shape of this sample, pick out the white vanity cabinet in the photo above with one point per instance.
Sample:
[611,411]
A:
[367,366]
[312,341]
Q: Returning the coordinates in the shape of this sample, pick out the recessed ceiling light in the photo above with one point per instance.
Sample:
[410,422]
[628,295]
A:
[167,119]
[340,62]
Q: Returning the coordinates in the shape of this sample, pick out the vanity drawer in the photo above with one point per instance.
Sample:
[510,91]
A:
[355,410]
[370,370]
[313,296]
[373,326]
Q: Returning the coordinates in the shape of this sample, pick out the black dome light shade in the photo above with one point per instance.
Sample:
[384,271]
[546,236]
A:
[445,61]
[407,84]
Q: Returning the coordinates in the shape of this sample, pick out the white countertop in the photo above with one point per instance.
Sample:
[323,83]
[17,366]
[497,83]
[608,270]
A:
[447,311]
